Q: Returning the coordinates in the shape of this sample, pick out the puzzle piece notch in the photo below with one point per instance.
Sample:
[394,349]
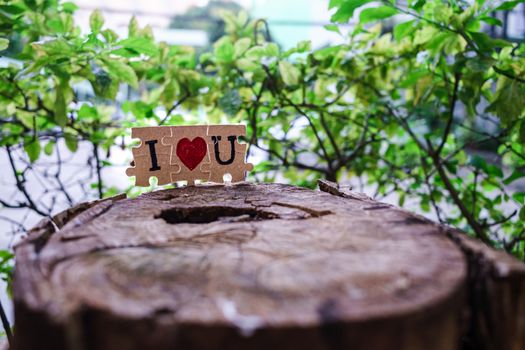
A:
[190,132]
[227,154]
[151,157]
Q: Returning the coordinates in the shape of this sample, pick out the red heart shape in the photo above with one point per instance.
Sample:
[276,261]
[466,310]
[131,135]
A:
[191,153]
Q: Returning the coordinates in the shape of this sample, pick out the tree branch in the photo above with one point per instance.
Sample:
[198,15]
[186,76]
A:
[478,230]
[20,184]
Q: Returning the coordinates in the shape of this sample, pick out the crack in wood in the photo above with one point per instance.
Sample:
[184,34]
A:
[208,214]
[378,207]
[313,212]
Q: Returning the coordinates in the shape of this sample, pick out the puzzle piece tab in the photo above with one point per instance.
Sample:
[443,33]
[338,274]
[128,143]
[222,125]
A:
[189,152]
[226,153]
[151,157]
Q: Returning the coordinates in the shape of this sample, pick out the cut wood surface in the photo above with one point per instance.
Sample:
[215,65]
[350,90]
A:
[264,266]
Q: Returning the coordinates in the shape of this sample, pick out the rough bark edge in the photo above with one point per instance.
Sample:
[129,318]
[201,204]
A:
[495,308]
[342,191]
[41,232]
[38,237]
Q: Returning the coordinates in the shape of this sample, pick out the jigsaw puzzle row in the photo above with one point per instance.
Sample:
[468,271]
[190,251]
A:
[189,153]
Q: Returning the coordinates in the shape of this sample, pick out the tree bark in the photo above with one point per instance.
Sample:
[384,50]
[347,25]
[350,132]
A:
[264,266]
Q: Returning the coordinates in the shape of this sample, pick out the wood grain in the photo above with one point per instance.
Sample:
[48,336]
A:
[244,267]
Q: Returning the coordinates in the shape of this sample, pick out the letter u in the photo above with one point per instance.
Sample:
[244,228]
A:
[216,140]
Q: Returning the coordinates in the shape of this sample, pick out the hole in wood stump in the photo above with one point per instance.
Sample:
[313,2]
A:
[204,215]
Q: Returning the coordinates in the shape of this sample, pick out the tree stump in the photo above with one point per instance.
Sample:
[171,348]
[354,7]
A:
[264,266]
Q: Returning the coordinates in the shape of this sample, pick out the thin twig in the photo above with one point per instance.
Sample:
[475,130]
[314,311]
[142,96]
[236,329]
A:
[6,325]
[20,184]
[98,168]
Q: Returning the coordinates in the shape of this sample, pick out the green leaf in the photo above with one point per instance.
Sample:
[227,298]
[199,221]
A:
[48,148]
[246,64]
[519,197]
[304,46]
[255,52]
[272,50]
[122,71]
[241,46]
[87,113]
[346,9]
[417,5]
[289,73]
[69,7]
[478,162]
[171,89]
[4,43]
[62,89]
[224,50]
[486,43]
[334,3]
[438,41]
[413,77]
[301,47]
[104,85]
[510,100]
[490,169]
[71,142]
[425,203]
[480,64]
[521,135]
[133,27]
[242,18]
[230,102]
[376,13]
[32,148]
[12,9]
[55,25]
[508,5]
[109,35]
[425,34]
[401,200]
[402,29]
[96,21]
[522,213]
[491,20]
[327,52]
[139,45]
[516,174]
[26,118]
[332,28]
[57,47]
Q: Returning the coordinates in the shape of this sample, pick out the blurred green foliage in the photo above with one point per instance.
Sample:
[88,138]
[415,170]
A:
[403,110]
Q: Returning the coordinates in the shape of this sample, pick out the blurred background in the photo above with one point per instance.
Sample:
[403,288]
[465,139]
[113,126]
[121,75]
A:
[197,22]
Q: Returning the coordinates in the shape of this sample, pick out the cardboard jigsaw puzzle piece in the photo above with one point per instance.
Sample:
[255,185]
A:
[142,170]
[151,157]
[190,152]
[226,153]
